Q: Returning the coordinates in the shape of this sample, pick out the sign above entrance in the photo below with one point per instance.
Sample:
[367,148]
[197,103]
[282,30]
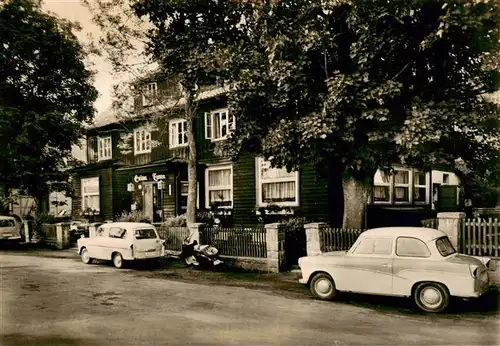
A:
[157,177]
[138,178]
[154,177]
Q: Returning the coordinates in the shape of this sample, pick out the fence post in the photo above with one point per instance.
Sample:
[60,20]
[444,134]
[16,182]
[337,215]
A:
[26,227]
[313,239]
[59,236]
[450,223]
[93,229]
[194,231]
[66,241]
[275,243]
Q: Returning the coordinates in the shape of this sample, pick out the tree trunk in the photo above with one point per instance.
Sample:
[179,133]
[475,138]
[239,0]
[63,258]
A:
[356,196]
[191,162]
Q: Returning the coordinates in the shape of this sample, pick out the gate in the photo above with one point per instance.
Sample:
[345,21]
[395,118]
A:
[295,243]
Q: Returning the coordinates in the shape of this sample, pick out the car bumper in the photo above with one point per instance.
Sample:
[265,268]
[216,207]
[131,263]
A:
[303,281]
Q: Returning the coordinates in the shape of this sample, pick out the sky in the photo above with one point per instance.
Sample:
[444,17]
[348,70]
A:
[75,11]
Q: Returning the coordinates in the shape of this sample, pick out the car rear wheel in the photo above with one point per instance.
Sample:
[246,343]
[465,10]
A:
[84,254]
[431,297]
[118,260]
[323,287]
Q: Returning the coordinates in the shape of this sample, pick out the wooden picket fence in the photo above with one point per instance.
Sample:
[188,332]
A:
[480,237]
[236,242]
[338,239]
[173,236]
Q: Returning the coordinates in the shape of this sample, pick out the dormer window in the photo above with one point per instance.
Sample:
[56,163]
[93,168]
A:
[149,94]
[218,124]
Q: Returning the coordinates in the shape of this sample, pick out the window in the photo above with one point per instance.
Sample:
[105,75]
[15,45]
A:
[419,187]
[382,246]
[276,186]
[401,185]
[149,94]
[146,233]
[374,246]
[90,194]
[446,178]
[219,186]
[411,247]
[218,124]
[7,223]
[117,232]
[445,247]
[381,187]
[184,194]
[104,148]
[102,232]
[142,141]
[178,133]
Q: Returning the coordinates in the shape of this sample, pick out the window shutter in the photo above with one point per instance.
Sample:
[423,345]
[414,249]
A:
[208,125]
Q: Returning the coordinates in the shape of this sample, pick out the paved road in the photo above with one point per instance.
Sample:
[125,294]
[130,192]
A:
[49,301]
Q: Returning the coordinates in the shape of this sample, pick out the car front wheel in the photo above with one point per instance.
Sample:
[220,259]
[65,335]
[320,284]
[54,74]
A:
[118,260]
[84,254]
[431,297]
[323,287]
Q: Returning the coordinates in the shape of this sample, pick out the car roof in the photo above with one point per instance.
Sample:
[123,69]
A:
[3,217]
[128,225]
[423,233]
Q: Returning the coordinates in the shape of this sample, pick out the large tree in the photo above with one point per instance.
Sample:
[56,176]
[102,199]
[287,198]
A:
[356,86]
[46,98]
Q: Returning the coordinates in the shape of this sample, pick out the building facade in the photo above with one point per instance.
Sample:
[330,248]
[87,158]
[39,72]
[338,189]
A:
[149,174]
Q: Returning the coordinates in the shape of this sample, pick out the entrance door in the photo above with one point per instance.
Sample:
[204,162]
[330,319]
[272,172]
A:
[147,201]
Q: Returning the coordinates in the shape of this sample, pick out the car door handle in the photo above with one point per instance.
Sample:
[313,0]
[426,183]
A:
[386,265]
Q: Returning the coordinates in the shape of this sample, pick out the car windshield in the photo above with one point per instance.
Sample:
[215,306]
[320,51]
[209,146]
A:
[146,233]
[444,246]
[7,223]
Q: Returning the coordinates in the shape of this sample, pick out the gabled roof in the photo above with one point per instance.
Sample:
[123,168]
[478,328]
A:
[112,116]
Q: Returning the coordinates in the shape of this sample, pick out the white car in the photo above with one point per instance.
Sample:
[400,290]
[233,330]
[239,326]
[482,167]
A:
[10,228]
[121,241]
[398,261]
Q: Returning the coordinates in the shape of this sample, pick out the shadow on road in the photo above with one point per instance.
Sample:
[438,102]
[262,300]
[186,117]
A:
[32,340]
[488,304]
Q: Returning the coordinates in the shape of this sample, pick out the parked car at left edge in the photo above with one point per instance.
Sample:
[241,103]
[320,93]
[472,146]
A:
[415,262]
[120,242]
[10,229]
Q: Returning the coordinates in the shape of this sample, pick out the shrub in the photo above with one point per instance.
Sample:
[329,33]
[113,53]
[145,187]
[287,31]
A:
[205,216]
[133,216]
[175,221]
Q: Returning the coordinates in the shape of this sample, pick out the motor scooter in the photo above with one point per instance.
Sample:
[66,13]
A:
[194,254]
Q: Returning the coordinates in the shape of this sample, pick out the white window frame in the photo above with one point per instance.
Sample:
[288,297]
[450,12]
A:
[412,185]
[387,184]
[85,181]
[408,186]
[225,187]
[416,185]
[104,148]
[148,92]
[147,139]
[210,131]
[174,133]
[259,181]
